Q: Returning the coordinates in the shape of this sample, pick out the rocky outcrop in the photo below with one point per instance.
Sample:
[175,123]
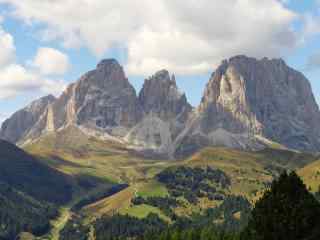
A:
[247,104]
[166,112]
[161,96]
[102,100]
[20,123]
[247,100]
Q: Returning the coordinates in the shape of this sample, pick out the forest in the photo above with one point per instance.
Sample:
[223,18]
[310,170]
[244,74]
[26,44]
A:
[287,210]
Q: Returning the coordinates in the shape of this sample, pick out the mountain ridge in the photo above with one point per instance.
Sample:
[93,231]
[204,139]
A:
[246,104]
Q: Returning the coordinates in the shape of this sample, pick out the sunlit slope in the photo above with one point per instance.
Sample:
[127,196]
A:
[250,171]
[73,152]
[250,174]
[311,175]
[27,174]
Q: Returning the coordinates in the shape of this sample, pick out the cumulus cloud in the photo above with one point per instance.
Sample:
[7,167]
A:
[50,61]
[311,25]
[185,36]
[7,52]
[17,79]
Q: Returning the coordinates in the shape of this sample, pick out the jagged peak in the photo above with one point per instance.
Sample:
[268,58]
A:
[245,58]
[107,71]
[107,63]
[162,77]
[161,73]
[243,61]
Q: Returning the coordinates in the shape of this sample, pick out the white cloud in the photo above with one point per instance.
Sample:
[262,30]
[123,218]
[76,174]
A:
[15,79]
[7,48]
[50,61]
[311,25]
[185,36]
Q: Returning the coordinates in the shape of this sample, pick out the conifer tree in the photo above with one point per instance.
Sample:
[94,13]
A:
[286,211]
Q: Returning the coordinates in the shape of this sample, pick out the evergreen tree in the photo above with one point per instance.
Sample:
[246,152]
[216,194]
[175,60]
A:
[318,194]
[286,211]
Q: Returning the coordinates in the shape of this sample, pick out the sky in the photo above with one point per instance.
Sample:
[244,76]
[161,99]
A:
[47,44]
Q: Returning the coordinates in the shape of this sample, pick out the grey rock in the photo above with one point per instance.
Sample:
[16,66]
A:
[17,126]
[101,99]
[166,112]
[247,104]
[247,100]
[161,96]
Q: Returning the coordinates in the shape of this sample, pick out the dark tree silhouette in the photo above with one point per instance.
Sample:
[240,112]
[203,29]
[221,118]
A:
[286,211]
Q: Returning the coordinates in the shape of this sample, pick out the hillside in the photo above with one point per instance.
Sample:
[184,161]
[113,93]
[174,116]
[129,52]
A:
[93,162]
[31,176]
[20,212]
[79,155]
[311,175]
[73,152]
[214,184]
[98,164]
[30,192]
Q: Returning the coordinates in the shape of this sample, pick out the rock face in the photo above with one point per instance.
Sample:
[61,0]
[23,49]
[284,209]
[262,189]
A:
[101,100]
[247,103]
[21,122]
[166,112]
[247,100]
[160,95]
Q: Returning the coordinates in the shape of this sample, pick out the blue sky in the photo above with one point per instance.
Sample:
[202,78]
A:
[47,45]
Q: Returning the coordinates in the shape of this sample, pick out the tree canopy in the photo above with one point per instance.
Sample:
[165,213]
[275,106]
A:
[286,211]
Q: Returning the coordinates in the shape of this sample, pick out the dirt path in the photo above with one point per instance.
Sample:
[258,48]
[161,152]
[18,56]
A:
[59,223]
[65,215]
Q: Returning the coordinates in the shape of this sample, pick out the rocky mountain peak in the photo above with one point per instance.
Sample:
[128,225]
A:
[246,103]
[261,97]
[166,112]
[163,76]
[108,63]
[102,98]
[18,125]
[161,95]
[108,74]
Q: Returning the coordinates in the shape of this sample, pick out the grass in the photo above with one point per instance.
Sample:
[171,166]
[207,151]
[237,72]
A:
[152,189]
[311,175]
[26,236]
[76,154]
[110,205]
[249,171]
[143,210]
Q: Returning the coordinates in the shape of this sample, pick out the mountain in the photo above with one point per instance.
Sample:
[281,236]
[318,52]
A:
[27,174]
[166,111]
[102,100]
[161,96]
[21,122]
[30,192]
[247,104]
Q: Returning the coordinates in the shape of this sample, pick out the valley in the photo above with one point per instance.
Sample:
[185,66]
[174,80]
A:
[97,164]
[101,161]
